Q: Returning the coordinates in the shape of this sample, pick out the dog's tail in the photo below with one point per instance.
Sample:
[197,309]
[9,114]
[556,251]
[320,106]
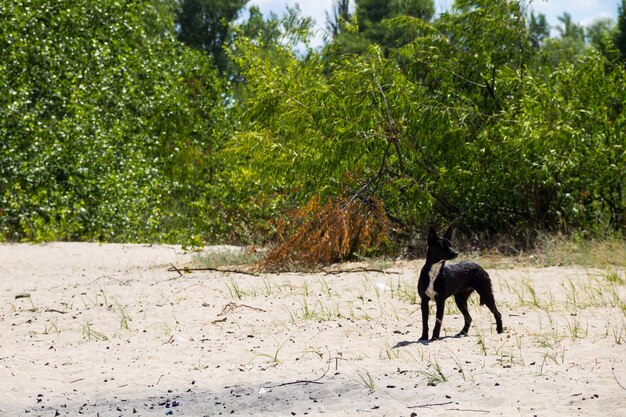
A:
[485,289]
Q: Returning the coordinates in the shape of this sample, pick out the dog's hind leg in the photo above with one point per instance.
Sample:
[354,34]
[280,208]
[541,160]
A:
[486,298]
[496,314]
[461,303]
[485,291]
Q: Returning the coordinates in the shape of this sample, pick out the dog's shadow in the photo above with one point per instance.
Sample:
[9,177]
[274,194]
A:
[405,343]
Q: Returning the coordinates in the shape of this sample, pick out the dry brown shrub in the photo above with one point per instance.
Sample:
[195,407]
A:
[324,233]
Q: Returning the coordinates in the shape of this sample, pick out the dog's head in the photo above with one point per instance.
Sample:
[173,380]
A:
[440,248]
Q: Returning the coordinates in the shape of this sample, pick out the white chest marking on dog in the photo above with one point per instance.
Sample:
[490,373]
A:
[433,274]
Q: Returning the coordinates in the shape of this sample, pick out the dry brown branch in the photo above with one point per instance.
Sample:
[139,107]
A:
[430,405]
[355,270]
[322,234]
[301,381]
[222,270]
[54,310]
[230,307]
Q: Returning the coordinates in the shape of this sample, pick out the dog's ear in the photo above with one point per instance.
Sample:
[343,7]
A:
[432,235]
[448,234]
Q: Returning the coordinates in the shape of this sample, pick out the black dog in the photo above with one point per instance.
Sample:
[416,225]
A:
[437,282]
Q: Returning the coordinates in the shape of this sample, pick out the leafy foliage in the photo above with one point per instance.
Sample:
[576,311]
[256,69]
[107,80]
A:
[102,116]
[205,25]
[367,24]
[620,34]
[112,129]
[467,123]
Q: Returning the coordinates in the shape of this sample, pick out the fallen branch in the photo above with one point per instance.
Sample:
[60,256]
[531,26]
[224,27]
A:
[430,405]
[301,381]
[230,307]
[173,268]
[468,409]
[54,310]
[223,270]
[358,269]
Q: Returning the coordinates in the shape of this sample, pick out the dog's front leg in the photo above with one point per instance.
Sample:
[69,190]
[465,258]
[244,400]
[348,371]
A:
[439,317]
[424,307]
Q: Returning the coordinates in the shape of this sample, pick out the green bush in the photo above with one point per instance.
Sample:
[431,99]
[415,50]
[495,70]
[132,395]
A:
[107,124]
[465,124]
[112,130]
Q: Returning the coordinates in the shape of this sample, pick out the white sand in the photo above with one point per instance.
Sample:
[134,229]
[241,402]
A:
[108,331]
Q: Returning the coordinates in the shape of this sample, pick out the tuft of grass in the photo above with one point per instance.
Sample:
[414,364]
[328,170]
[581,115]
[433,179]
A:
[123,315]
[52,326]
[556,250]
[433,373]
[89,333]
[460,369]
[227,257]
[317,311]
[367,381]
[235,290]
[272,358]
[614,277]
[100,299]
[616,330]
[314,351]
[404,291]
[481,342]
[389,352]
[576,250]
[268,288]
[529,287]
[575,328]
[325,288]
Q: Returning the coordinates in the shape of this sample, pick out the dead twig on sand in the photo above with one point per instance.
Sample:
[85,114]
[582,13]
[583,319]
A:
[173,268]
[615,376]
[430,405]
[355,270]
[189,270]
[301,381]
[230,307]
[54,310]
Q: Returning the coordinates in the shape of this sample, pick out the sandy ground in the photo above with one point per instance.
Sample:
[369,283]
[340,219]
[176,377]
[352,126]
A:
[107,330]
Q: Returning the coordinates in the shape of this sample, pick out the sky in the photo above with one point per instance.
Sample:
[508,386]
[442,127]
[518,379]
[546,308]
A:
[583,11]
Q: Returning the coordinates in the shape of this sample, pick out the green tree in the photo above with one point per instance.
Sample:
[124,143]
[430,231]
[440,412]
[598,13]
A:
[620,34]
[470,129]
[539,29]
[568,46]
[205,25]
[371,16]
[572,35]
[568,131]
[340,13]
[265,30]
[408,136]
[600,35]
[107,123]
[289,30]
